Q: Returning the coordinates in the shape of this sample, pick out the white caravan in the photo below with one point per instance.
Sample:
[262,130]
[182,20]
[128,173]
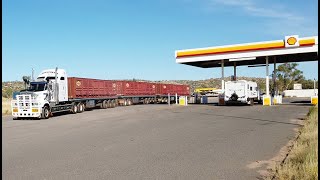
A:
[241,91]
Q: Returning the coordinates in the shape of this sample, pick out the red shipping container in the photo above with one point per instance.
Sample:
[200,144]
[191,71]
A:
[172,89]
[135,88]
[92,88]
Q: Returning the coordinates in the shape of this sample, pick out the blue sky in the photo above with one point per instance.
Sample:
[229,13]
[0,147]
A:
[137,39]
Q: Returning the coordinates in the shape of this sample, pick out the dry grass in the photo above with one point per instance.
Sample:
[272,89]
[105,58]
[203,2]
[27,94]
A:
[302,162]
[6,106]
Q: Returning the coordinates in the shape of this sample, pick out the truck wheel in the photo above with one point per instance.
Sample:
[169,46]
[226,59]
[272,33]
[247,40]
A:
[74,109]
[125,102]
[116,103]
[108,104]
[104,104]
[80,108]
[45,112]
[129,102]
[113,103]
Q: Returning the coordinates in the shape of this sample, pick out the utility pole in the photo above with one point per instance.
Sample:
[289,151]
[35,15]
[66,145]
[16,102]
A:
[314,86]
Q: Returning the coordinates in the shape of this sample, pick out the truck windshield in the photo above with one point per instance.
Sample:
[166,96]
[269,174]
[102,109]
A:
[38,86]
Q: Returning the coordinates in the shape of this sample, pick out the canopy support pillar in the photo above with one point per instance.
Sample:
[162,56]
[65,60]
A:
[222,75]
[267,76]
[234,71]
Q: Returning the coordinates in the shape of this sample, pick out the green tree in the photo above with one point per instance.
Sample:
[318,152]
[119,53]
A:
[287,74]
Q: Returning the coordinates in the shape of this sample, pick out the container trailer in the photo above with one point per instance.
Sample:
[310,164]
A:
[53,91]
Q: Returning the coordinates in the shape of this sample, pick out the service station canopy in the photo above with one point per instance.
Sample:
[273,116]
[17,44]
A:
[290,49]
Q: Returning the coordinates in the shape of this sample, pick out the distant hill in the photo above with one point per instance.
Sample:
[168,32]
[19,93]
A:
[11,86]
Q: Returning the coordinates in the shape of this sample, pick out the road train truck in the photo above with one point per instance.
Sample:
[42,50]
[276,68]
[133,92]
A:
[242,92]
[53,91]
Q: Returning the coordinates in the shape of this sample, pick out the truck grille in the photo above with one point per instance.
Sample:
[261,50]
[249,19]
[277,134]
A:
[24,101]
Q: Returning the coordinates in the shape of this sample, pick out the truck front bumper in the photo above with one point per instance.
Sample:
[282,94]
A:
[29,111]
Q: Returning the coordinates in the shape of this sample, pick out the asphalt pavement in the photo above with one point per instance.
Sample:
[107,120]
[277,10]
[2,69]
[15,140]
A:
[149,142]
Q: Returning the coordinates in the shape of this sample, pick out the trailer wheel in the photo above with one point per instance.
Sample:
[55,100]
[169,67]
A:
[104,104]
[108,104]
[113,103]
[45,112]
[129,102]
[74,109]
[80,108]
[116,103]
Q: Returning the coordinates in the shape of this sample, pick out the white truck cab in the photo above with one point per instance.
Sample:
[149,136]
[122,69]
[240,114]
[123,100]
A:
[49,89]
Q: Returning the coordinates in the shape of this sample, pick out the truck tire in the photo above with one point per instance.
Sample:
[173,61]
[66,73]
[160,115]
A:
[129,102]
[108,104]
[74,109]
[116,103]
[80,107]
[45,112]
[113,103]
[104,104]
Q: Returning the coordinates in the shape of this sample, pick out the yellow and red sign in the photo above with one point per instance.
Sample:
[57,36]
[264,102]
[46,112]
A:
[292,41]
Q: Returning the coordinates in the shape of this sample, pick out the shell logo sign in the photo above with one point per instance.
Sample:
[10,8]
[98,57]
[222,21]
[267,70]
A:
[78,83]
[292,41]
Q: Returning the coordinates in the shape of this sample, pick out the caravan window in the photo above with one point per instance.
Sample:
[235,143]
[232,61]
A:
[250,88]
[62,78]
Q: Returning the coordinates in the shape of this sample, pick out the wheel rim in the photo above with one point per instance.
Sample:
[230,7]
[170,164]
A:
[75,108]
[80,108]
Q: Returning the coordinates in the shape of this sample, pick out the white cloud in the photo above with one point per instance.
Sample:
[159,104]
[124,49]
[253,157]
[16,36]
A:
[277,19]
[255,10]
